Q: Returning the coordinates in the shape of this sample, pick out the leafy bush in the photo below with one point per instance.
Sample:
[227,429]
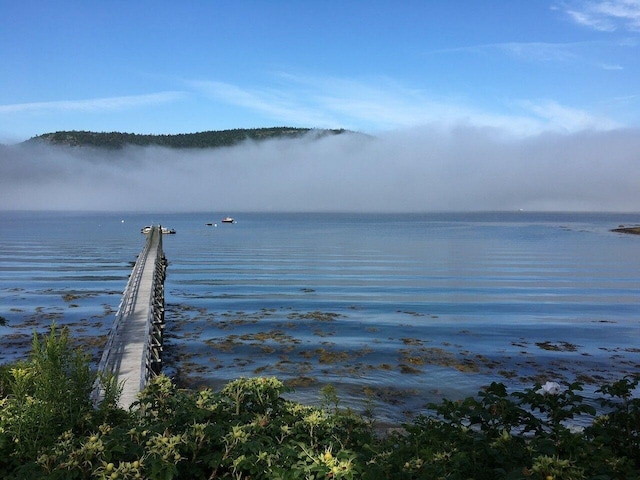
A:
[48,429]
[47,396]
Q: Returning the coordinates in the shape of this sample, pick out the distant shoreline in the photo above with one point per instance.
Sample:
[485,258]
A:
[623,229]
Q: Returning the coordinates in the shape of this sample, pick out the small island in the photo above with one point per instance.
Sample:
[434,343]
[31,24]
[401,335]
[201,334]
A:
[635,230]
[208,139]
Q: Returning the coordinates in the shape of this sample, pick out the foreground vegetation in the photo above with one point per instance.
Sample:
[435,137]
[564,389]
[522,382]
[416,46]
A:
[50,429]
[210,139]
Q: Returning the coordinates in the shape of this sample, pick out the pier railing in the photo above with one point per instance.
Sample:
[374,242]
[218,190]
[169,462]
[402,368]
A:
[152,356]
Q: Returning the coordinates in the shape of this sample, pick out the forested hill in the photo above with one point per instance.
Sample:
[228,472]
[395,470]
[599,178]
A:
[222,138]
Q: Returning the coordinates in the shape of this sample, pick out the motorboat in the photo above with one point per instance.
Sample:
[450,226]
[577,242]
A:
[228,220]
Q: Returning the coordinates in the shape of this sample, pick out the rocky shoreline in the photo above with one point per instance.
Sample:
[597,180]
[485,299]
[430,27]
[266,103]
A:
[622,229]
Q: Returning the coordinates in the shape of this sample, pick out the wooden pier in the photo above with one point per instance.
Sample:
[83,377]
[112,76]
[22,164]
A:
[133,352]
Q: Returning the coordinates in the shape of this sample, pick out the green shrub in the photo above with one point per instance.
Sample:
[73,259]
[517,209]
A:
[47,395]
[247,430]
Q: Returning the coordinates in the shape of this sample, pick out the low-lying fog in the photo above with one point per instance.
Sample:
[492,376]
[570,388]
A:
[420,169]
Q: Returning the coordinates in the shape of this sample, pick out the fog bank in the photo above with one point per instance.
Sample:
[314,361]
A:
[412,170]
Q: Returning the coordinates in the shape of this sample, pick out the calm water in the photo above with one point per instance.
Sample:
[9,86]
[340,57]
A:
[402,310]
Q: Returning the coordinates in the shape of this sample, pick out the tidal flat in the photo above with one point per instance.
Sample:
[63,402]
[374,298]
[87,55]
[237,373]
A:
[397,374]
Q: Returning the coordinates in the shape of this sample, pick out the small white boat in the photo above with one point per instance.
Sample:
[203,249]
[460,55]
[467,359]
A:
[228,220]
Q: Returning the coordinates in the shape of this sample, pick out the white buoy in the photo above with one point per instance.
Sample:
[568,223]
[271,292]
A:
[215,224]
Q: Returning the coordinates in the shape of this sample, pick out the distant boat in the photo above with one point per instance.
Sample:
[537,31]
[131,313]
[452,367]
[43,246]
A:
[228,220]
[165,230]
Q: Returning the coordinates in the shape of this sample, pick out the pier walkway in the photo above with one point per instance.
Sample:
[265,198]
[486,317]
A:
[133,352]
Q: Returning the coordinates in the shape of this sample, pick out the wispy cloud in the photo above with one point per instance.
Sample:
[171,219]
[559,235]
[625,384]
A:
[93,105]
[538,51]
[627,98]
[281,104]
[379,104]
[607,66]
[606,15]
[583,52]
[559,117]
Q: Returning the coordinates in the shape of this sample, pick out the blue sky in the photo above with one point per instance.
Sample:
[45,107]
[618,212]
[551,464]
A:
[523,67]
[471,105]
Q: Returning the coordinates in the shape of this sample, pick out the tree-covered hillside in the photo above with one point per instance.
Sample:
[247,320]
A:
[223,138]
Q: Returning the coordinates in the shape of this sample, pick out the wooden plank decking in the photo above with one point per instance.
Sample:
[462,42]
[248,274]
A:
[131,342]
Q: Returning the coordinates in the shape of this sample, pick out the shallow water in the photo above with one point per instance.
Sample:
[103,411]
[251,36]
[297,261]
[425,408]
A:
[398,309]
